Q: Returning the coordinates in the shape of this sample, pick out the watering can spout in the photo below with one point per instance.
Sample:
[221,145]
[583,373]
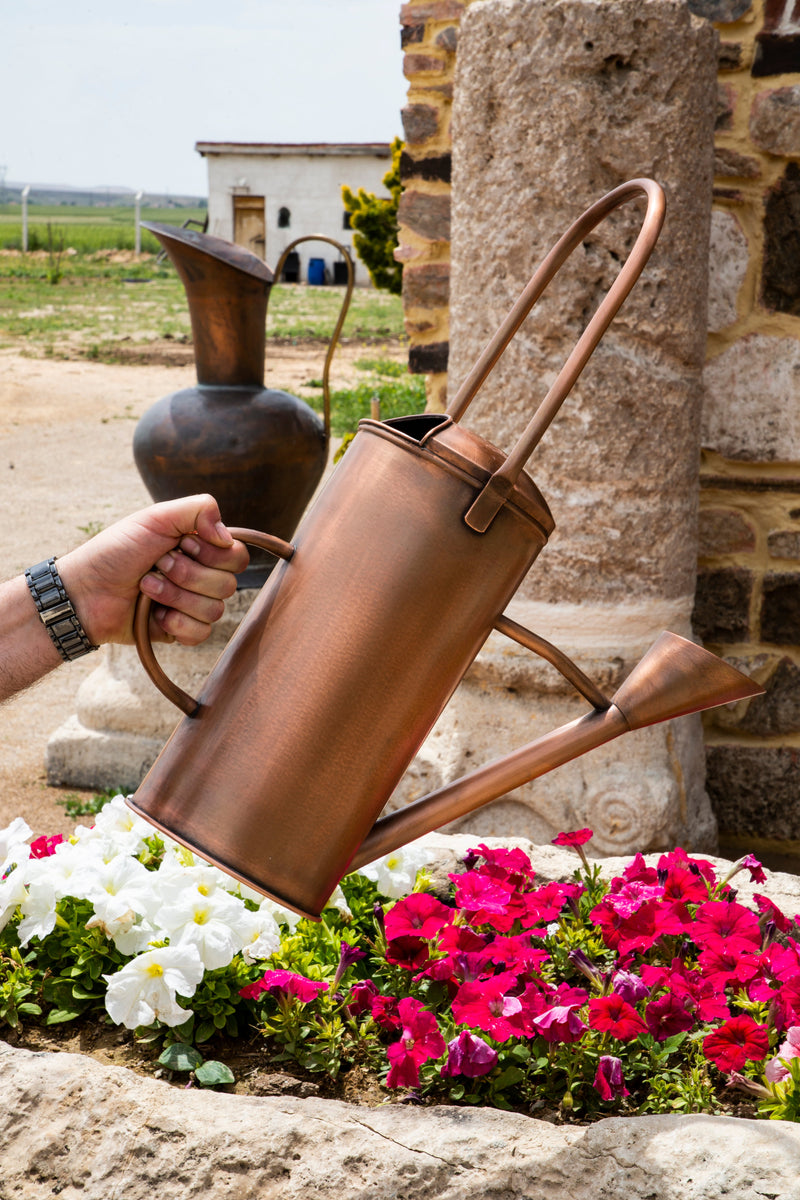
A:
[675,678]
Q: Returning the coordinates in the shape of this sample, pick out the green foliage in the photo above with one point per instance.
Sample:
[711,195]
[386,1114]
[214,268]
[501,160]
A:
[78,806]
[179,1057]
[374,219]
[397,399]
[784,1103]
[17,983]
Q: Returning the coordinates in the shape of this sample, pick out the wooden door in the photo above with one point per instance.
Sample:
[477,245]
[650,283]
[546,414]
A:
[249,224]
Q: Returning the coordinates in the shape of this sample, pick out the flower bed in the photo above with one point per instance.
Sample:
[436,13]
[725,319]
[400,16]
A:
[656,991]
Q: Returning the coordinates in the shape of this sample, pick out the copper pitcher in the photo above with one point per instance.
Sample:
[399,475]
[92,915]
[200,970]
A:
[395,579]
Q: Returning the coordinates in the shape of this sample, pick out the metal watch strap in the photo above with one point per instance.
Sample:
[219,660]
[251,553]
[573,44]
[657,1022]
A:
[56,612]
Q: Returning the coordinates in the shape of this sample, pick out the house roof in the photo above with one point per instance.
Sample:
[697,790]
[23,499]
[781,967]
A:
[309,149]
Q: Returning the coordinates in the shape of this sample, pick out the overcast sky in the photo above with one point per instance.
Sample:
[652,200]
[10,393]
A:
[117,92]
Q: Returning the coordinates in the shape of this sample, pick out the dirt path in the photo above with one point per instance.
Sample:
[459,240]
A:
[66,467]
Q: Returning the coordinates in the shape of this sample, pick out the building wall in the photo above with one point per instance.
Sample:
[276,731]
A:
[310,186]
[748,592]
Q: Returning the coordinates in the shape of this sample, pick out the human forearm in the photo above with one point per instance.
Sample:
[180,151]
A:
[26,650]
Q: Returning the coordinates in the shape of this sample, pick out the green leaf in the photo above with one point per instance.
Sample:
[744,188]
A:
[180,1057]
[204,1031]
[58,1015]
[507,1078]
[211,1073]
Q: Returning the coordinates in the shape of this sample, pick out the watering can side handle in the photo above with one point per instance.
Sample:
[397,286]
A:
[557,658]
[141,623]
[334,341]
[499,486]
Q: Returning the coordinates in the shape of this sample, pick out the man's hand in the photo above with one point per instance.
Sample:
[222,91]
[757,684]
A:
[179,553]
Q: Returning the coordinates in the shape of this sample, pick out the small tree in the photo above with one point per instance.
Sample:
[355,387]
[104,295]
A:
[374,219]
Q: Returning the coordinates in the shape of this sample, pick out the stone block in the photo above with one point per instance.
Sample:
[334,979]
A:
[411,35]
[729,257]
[754,790]
[777,712]
[431,10]
[726,106]
[775,121]
[724,531]
[720,11]
[780,608]
[730,56]
[447,39]
[428,359]
[780,287]
[732,163]
[425,214]
[422,64]
[784,543]
[420,122]
[431,167]
[722,605]
[426,286]
[751,411]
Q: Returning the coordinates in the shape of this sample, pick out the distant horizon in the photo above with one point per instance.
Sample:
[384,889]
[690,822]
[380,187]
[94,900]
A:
[126,91]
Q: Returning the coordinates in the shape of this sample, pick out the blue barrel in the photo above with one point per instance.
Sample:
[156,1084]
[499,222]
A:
[316,270]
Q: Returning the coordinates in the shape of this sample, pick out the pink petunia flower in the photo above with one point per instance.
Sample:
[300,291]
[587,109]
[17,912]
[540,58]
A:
[609,1079]
[630,986]
[771,912]
[43,847]
[667,1016]
[469,1055]
[728,920]
[419,915]
[611,1014]
[420,1040]
[625,934]
[360,997]
[578,837]
[489,1005]
[776,1070]
[560,1024]
[285,984]
[736,1042]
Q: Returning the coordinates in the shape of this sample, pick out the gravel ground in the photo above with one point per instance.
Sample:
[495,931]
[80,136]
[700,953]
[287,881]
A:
[66,468]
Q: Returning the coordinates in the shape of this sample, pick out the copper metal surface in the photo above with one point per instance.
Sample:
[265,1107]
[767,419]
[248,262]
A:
[260,451]
[358,639]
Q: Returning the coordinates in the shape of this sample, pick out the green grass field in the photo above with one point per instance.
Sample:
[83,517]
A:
[86,229]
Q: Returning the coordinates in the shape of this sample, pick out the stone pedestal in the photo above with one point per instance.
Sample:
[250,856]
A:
[555,104]
[122,720]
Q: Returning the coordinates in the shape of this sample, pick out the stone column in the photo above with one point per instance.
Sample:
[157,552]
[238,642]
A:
[555,104]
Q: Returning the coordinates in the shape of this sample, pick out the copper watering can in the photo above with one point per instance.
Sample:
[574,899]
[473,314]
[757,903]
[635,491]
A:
[395,579]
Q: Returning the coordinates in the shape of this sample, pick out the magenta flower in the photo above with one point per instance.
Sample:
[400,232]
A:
[771,912]
[43,847]
[578,837]
[728,920]
[383,1010]
[776,1070]
[630,986]
[736,1042]
[361,996]
[419,915]
[683,884]
[485,900]
[560,1024]
[637,871]
[625,934]
[609,1079]
[502,862]
[420,1040]
[667,1016]
[489,1005]
[611,1014]
[469,1055]
[286,985]
[755,868]
[347,956]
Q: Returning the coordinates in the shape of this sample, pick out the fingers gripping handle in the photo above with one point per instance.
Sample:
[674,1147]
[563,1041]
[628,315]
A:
[141,623]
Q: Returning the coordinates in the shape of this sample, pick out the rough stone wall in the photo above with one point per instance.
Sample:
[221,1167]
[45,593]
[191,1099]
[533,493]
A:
[748,593]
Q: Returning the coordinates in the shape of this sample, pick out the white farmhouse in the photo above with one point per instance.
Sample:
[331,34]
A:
[263,195]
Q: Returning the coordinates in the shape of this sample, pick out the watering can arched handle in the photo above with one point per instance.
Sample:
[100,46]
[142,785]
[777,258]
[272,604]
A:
[141,622]
[496,491]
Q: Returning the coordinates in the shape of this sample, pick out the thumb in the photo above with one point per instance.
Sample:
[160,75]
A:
[192,514]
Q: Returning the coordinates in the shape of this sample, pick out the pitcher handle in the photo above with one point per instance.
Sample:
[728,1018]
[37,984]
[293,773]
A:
[351,279]
[141,622]
[496,491]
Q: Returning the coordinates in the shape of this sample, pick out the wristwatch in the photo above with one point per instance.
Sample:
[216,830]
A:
[56,612]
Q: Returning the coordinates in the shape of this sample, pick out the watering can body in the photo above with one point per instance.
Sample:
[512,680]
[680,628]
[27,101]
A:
[345,660]
[392,584]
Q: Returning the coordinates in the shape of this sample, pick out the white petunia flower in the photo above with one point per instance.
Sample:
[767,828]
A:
[145,989]
[215,924]
[262,936]
[12,893]
[120,826]
[13,848]
[396,873]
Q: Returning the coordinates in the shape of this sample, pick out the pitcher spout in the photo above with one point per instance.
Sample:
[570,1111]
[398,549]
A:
[227,288]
